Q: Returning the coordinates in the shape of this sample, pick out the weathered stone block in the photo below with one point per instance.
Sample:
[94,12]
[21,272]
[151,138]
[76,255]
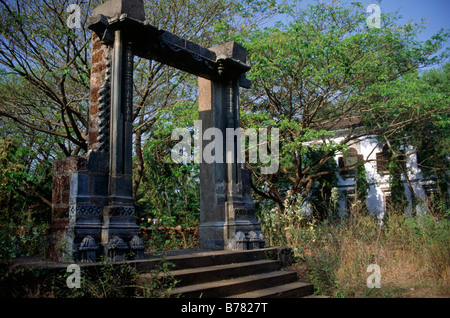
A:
[93,135]
[137,247]
[76,163]
[122,189]
[230,49]
[59,213]
[98,162]
[97,57]
[240,241]
[253,240]
[262,241]
[100,186]
[56,195]
[63,183]
[132,8]
[65,198]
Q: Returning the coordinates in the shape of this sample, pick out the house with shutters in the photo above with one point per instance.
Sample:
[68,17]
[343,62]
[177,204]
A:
[375,157]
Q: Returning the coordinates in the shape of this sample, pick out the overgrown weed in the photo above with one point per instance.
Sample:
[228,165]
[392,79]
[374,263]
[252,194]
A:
[413,253]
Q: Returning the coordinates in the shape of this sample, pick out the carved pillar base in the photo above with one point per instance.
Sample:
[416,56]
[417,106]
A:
[119,227]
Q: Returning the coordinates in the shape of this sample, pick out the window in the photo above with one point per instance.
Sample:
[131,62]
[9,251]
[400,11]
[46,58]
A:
[350,159]
[383,161]
[387,200]
[384,157]
[430,192]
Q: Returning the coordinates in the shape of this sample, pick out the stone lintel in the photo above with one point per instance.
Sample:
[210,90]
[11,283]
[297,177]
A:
[163,46]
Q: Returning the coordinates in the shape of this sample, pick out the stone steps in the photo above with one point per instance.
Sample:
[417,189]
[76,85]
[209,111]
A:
[200,275]
[236,274]
[295,289]
[190,259]
[228,287]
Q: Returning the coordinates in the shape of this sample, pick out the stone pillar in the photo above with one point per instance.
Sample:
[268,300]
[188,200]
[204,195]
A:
[119,214]
[227,212]
[213,226]
[121,121]
[93,212]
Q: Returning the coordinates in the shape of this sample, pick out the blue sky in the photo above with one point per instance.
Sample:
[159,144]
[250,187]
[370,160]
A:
[437,12]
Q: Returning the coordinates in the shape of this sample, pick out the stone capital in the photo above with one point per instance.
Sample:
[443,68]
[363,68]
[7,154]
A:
[230,50]
[132,8]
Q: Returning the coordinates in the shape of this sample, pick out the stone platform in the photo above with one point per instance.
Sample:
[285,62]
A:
[210,273]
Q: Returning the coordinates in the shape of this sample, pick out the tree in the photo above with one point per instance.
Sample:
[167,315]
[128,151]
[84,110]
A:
[361,187]
[25,184]
[204,22]
[324,69]
[45,65]
[170,192]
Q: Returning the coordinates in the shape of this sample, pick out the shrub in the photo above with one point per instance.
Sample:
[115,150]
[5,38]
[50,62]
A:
[413,254]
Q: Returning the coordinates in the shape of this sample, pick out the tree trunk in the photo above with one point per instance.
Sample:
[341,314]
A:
[140,163]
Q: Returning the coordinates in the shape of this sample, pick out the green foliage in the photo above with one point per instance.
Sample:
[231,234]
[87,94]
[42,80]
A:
[361,187]
[321,272]
[117,281]
[46,72]
[26,239]
[23,215]
[105,281]
[169,238]
[432,139]
[325,67]
[160,282]
[321,192]
[170,190]
[398,197]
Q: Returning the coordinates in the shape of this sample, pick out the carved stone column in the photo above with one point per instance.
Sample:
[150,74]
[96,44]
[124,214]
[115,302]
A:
[98,209]
[98,193]
[227,215]
[119,213]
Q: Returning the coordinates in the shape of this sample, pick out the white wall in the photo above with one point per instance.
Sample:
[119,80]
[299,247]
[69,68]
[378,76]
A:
[375,197]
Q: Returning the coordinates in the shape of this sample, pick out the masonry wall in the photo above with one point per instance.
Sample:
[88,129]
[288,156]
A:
[100,56]
[86,187]
[63,170]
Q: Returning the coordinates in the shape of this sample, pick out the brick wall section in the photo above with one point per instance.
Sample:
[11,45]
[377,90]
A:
[63,169]
[99,53]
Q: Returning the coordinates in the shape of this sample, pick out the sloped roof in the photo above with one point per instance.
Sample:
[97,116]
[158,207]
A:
[345,123]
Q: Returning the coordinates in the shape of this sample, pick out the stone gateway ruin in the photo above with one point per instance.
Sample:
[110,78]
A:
[93,212]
